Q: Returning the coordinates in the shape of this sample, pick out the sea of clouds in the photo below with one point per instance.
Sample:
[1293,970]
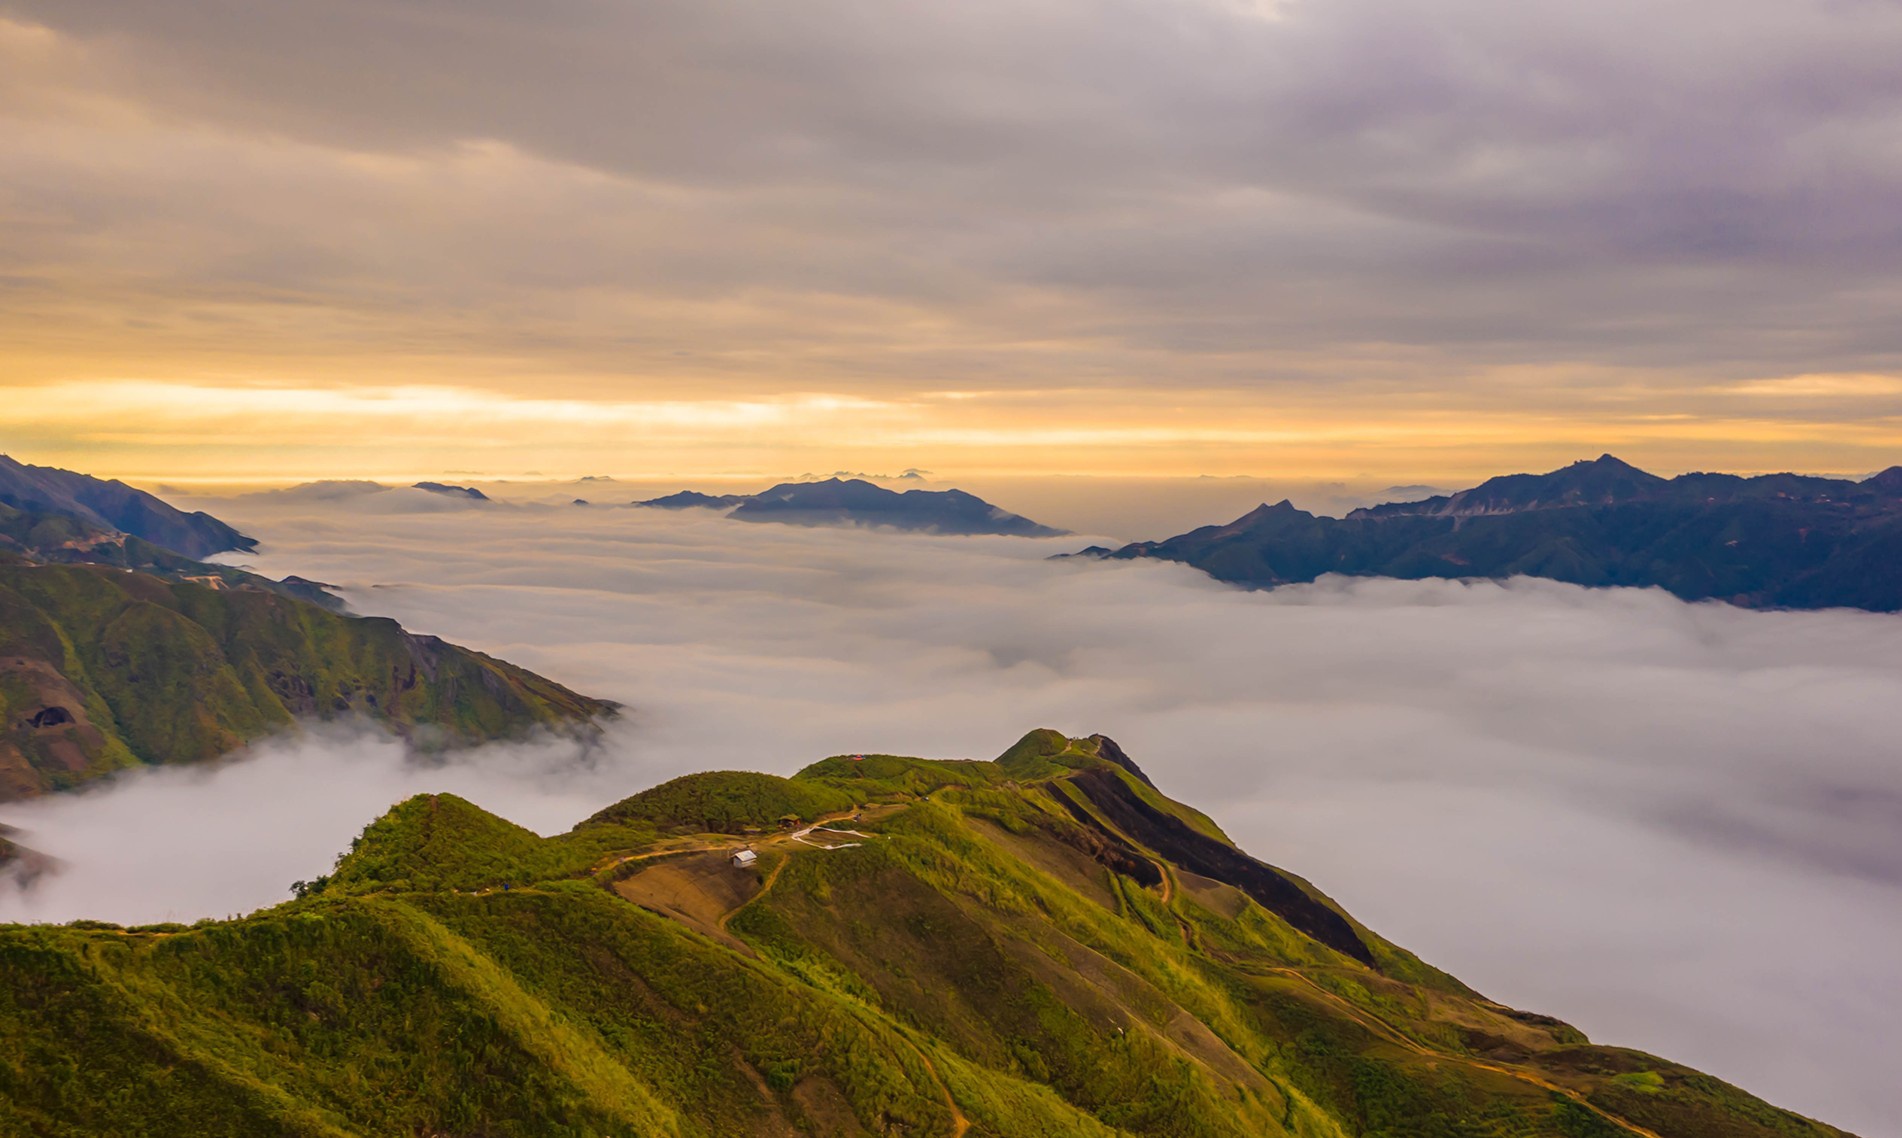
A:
[1677,826]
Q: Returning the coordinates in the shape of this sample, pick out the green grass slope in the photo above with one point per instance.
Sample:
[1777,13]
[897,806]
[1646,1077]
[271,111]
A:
[103,669]
[964,949]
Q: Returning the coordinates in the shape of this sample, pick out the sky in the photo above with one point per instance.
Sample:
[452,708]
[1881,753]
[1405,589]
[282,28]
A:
[1321,239]
[1678,826]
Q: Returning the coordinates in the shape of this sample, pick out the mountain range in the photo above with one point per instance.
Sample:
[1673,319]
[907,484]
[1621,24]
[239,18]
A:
[113,506]
[854,501]
[1770,541]
[1043,945]
[118,651]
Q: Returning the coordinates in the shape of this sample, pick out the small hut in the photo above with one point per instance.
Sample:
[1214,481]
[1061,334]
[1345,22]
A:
[744,858]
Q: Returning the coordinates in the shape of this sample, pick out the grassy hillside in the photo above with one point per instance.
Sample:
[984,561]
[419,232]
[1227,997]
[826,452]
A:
[967,949]
[103,669]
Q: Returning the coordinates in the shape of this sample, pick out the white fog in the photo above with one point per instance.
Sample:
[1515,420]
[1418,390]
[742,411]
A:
[1677,826]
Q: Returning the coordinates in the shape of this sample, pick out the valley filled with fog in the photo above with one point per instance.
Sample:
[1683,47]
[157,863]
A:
[1677,826]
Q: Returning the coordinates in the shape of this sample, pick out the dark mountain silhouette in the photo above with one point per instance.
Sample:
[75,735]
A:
[694,500]
[856,502]
[1769,541]
[113,505]
[447,490]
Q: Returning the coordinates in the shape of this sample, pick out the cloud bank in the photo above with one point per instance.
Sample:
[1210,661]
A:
[1612,182]
[1221,222]
[1679,826]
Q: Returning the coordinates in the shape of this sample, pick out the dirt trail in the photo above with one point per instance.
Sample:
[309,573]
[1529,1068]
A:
[765,887]
[745,840]
[1392,1034]
[601,866]
[1168,896]
[959,1123]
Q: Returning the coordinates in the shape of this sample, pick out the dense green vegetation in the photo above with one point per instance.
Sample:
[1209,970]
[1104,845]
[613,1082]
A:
[104,668]
[723,802]
[1772,541]
[991,955]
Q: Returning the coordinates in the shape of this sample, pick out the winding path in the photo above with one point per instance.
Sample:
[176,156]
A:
[1392,1034]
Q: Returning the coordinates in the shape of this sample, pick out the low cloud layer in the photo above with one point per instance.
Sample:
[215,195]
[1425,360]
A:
[1679,826]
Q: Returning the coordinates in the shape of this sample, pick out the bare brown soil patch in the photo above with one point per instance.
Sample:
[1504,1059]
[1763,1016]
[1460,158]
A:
[1215,896]
[696,889]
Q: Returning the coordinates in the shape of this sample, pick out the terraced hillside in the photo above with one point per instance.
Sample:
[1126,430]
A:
[1040,945]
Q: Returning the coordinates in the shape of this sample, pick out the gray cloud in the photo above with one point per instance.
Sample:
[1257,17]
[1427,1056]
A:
[1246,190]
[1672,824]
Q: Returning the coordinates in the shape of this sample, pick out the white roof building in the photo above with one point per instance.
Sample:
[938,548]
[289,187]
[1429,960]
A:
[745,858]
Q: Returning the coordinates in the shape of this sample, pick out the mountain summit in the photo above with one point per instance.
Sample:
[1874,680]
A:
[1604,481]
[856,502]
[1044,945]
[1774,540]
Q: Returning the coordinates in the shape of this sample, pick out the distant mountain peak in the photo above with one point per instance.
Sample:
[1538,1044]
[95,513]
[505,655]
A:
[1598,481]
[694,499]
[846,501]
[1265,514]
[449,491]
[1887,482]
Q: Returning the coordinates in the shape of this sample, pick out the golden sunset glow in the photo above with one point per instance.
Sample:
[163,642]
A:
[681,269]
[186,433]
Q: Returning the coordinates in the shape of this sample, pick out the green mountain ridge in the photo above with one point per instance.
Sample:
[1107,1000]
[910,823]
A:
[117,651]
[104,669]
[1040,945]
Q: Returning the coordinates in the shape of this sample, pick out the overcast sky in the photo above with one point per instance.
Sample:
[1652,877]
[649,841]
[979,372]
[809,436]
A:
[1679,826]
[1111,236]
